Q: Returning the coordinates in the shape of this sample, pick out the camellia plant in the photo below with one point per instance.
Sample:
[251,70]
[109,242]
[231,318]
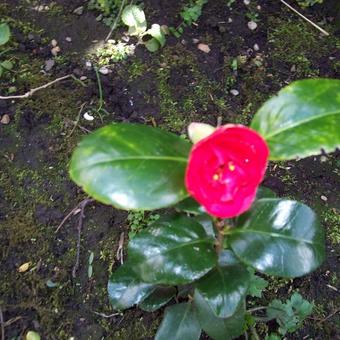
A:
[203,253]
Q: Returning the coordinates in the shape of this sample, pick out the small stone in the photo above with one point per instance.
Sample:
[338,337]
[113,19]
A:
[324,198]
[230,20]
[104,70]
[5,119]
[49,65]
[293,68]
[246,2]
[204,48]
[256,47]
[195,41]
[252,25]
[83,78]
[68,39]
[55,50]
[88,117]
[88,64]
[234,92]
[30,36]
[79,10]
[323,159]
[54,43]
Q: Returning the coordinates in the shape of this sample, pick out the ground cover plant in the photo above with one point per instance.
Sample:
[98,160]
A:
[54,270]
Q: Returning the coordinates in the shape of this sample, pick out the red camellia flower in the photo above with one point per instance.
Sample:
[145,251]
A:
[225,169]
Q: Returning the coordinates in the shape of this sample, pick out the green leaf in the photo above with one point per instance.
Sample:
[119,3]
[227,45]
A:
[125,289]
[172,251]
[290,315]
[256,284]
[179,323]
[131,166]
[207,223]
[156,32]
[132,15]
[279,237]
[8,65]
[5,33]
[219,328]
[302,119]
[263,192]
[152,45]
[158,298]
[272,336]
[225,286]
[190,206]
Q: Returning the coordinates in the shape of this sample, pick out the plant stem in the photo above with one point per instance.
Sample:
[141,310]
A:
[219,224]
[254,333]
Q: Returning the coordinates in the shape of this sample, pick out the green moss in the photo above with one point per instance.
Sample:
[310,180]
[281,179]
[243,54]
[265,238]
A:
[294,44]
[331,218]
[137,330]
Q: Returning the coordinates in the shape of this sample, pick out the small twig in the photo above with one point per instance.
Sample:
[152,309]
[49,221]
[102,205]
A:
[114,26]
[120,250]
[82,128]
[303,17]
[2,325]
[329,316]
[32,91]
[82,206]
[107,316]
[13,320]
[73,212]
[78,119]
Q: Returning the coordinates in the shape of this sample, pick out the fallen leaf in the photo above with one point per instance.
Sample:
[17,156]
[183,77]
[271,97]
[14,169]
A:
[24,267]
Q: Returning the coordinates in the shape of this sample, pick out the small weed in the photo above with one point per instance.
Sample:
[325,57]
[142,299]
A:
[138,220]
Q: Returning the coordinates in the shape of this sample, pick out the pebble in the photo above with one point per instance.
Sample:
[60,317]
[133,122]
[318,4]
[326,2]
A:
[230,20]
[204,48]
[256,47]
[234,92]
[195,41]
[49,64]
[54,43]
[246,2]
[104,70]
[88,64]
[55,50]
[252,25]
[79,10]
[88,117]
[5,119]
[293,68]
[324,198]
[83,78]
[68,39]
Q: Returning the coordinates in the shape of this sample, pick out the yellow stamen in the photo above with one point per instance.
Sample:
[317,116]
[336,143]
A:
[216,177]
[231,166]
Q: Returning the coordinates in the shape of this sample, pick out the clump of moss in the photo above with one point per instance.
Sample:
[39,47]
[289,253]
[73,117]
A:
[331,218]
[294,44]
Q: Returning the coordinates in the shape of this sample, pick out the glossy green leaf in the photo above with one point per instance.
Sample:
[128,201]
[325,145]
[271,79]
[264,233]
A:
[190,206]
[207,223]
[179,323]
[264,192]
[5,33]
[125,289]
[279,237]
[131,166]
[219,328]
[302,119]
[172,251]
[158,298]
[225,286]
[132,15]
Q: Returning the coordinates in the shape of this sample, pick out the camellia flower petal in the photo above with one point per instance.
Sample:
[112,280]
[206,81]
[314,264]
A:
[226,168]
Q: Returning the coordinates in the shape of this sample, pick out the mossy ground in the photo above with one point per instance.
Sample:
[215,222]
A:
[177,85]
